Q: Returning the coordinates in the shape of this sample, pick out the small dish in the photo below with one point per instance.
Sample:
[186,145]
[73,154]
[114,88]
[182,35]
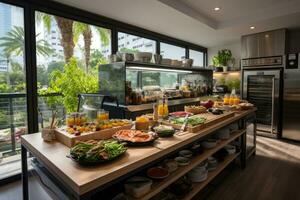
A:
[209,143]
[182,161]
[186,153]
[171,165]
[230,149]
[197,149]
[157,173]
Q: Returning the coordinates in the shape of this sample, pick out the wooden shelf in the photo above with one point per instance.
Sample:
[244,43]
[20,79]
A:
[197,187]
[182,170]
[228,72]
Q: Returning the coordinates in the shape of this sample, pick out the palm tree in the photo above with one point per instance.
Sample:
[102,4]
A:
[66,31]
[86,31]
[13,43]
[70,32]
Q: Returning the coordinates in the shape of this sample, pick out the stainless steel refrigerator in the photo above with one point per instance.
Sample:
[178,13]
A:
[291,98]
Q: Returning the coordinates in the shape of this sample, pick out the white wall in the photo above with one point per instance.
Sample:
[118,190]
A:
[235,48]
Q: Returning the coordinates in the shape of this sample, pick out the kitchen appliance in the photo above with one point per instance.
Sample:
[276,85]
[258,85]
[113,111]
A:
[262,86]
[291,98]
[262,78]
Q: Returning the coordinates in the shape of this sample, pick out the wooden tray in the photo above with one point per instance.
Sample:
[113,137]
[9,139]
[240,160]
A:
[211,119]
[70,139]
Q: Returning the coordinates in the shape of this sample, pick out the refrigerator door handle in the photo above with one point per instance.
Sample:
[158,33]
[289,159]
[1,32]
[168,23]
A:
[273,104]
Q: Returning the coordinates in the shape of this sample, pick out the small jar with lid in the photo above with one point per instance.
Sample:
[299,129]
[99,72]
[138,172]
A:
[142,123]
[102,115]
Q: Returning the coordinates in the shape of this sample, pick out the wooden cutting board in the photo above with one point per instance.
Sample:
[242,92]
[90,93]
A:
[70,139]
[211,119]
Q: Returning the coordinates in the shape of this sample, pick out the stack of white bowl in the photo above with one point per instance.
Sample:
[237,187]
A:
[212,164]
[198,173]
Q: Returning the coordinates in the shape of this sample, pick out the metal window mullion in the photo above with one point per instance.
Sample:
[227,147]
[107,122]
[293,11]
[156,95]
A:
[30,65]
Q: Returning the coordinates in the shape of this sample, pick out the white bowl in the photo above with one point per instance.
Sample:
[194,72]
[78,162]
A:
[182,161]
[186,153]
[209,143]
[230,149]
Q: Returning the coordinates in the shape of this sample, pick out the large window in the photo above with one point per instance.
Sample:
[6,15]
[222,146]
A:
[198,57]
[68,55]
[171,51]
[132,43]
[13,111]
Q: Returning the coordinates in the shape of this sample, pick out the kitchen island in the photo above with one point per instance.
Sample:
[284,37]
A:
[79,182]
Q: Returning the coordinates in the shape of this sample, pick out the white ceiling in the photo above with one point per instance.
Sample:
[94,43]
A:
[195,21]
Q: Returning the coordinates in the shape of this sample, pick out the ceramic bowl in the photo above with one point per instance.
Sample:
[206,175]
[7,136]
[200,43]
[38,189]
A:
[182,161]
[209,143]
[186,153]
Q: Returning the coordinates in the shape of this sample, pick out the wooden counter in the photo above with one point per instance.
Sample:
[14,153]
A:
[84,179]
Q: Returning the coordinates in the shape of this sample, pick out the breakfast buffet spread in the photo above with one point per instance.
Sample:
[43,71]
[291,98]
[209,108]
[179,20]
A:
[103,140]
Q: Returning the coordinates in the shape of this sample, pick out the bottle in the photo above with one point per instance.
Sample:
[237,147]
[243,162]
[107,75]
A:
[163,110]
[226,99]
[232,99]
[155,112]
[236,100]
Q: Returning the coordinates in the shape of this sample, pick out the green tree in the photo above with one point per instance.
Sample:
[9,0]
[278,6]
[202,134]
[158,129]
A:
[96,59]
[13,43]
[86,31]
[65,28]
[59,65]
[71,31]
[72,81]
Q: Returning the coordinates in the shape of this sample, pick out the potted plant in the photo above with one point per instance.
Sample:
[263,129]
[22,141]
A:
[224,56]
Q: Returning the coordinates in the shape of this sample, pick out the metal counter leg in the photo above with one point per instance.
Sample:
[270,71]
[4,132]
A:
[24,173]
[243,152]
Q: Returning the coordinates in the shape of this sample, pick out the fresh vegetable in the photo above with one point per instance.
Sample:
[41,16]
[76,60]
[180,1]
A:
[192,121]
[93,152]
[164,131]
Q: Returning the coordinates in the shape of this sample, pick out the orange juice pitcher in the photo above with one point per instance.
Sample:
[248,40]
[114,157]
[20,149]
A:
[162,109]
[226,99]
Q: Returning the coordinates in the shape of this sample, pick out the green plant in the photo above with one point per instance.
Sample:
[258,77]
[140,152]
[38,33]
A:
[233,84]
[14,43]
[215,61]
[224,56]
[72,81]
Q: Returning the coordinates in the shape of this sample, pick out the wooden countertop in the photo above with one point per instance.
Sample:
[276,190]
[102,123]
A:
[84,179]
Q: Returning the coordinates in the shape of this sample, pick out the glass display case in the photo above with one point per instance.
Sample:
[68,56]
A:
[136,83]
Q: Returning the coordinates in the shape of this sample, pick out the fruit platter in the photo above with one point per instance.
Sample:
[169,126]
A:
[93,152]
[135,137]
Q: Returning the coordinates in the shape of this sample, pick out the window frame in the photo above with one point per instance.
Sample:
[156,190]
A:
[73,13]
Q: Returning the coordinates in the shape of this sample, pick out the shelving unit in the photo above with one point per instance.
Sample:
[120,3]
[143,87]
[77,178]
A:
[197,187]
[159,186]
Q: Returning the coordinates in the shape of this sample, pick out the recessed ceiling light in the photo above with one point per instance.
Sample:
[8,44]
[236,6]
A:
[217,8]
[252,27]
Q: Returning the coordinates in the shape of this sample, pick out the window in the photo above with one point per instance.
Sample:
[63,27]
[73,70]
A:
[134,43]
[65,71]
[198,57]
[13,107]
[171,51]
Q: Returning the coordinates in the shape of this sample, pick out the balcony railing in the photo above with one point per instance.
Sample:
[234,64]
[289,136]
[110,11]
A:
[13,117]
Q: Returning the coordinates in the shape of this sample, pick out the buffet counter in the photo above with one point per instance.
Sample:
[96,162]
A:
[132,111]
[82,182]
